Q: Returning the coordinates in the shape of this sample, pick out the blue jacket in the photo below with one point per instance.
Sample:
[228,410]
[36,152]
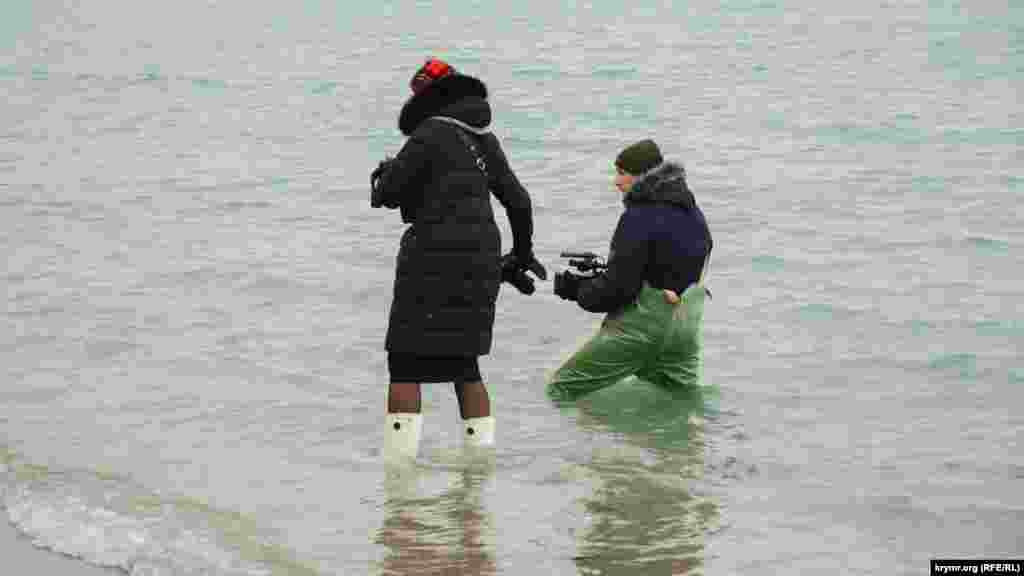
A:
[661,238]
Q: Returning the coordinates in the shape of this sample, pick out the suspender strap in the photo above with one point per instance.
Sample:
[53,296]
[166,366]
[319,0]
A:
[474,150]
[462,128]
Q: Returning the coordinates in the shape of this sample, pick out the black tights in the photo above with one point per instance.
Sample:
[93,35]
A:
[474,402]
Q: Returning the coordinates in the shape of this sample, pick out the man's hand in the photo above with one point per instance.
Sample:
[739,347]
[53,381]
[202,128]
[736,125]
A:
[670,296]
[567,285]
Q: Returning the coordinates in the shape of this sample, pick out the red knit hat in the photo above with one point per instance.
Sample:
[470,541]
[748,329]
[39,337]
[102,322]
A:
[434,69]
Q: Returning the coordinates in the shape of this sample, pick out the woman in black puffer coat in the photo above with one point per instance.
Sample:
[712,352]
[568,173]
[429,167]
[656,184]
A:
[449,265]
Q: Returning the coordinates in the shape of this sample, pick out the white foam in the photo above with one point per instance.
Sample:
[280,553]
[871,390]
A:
[112,522]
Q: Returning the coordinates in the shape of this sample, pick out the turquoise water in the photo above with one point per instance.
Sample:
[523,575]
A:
[197,288]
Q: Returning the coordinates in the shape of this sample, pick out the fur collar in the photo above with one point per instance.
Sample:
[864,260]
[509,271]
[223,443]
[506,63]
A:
[665,184]
[439,97]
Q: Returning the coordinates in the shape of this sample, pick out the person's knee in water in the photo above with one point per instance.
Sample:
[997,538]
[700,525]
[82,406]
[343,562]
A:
[660,246]
[449,265]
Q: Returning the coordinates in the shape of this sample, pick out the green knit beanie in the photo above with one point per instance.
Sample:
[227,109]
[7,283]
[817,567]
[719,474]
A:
[639,158]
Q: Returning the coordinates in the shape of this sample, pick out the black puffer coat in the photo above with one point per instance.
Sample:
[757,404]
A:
[448,274]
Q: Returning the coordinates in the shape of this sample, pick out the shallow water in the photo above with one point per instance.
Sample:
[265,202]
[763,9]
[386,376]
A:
[197,289]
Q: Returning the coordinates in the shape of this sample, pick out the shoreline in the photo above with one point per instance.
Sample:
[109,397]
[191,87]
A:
[21,556]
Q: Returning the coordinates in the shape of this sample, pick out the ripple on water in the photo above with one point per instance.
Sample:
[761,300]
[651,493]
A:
[767,264]
[817,311]
[963,363]
[987,245]
[323,87]
[1007,328]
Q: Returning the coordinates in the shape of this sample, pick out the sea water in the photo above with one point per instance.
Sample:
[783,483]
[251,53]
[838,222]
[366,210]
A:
[193,374]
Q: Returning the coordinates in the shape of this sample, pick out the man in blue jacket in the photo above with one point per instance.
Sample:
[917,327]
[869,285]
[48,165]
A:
[652,290]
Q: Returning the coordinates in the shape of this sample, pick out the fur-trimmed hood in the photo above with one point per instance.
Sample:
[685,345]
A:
[458,96]
[663,184]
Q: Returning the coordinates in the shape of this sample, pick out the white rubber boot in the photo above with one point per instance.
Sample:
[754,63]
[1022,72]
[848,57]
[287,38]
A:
[402,437]
[478,431]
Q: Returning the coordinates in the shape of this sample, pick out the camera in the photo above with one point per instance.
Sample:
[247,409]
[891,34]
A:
[587,264]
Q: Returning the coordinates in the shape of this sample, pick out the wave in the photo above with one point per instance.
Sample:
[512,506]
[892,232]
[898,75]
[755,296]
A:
[111,521]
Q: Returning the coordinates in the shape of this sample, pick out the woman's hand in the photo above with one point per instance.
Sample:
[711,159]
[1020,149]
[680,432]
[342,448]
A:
[376,194]
[513,271]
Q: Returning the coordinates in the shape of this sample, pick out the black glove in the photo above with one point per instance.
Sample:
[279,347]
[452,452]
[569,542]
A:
[513,271]
[514,275]
[567,285]
[376,200]
[528,263]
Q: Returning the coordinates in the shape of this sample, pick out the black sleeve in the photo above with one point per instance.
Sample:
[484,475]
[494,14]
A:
[624,277]
[513,197]
[403,172]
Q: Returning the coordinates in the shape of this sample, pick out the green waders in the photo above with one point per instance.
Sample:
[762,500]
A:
[650,338]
